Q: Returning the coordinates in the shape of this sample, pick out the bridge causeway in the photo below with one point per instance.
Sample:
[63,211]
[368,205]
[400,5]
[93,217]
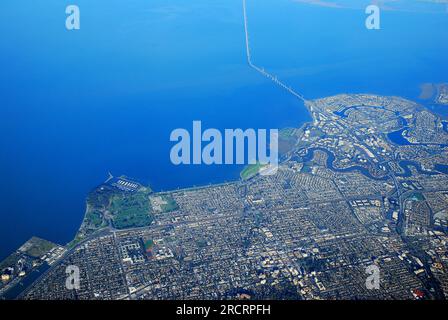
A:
[260,69]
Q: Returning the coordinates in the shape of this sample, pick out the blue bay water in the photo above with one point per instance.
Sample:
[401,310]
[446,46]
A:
[76,105]
[325,51]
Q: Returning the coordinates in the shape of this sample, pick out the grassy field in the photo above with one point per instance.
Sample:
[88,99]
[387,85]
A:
[149,245]
[75,241]
[36,247]
[131,210]
[94,219]
[250,170]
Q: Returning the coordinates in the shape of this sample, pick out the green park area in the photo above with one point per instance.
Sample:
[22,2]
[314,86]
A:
[250,170]
[94,219]
[36,247]
[130,210]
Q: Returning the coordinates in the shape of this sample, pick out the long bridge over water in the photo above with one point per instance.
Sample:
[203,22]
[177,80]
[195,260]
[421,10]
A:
[262,70]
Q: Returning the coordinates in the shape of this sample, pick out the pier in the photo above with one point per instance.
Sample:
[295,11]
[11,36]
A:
[261,70]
